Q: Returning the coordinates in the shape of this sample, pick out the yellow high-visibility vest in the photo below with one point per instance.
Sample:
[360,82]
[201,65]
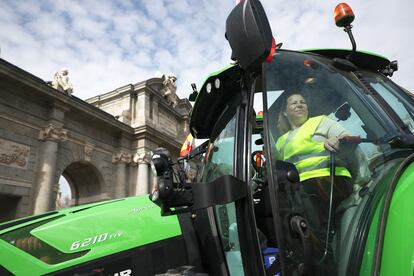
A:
[310,157]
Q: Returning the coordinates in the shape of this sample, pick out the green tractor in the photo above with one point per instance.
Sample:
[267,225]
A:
[251,210]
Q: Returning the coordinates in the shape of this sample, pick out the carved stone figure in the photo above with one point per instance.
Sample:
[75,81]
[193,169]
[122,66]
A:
[88,150]
[13,154]
[121,157]
[61,82]
[142,157]
[52,132]
[169,89]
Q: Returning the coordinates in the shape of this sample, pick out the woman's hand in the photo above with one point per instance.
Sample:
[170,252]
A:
[332,144]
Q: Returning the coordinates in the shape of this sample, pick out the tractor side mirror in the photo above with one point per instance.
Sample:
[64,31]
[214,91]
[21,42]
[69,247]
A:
[343,112]
[249,34]
[174,195]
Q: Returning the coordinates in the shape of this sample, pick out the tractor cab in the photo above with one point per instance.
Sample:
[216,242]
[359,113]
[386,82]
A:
[266,203]
[307,169]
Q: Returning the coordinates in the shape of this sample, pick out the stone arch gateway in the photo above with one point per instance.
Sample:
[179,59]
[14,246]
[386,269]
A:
[103,145]
[86,183]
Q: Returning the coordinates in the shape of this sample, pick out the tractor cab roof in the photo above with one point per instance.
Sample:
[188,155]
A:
[361,59]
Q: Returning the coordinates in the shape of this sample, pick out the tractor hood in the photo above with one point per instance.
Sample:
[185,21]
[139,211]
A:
[84,233]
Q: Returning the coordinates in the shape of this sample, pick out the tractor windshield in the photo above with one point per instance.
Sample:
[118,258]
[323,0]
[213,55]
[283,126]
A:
[323,121]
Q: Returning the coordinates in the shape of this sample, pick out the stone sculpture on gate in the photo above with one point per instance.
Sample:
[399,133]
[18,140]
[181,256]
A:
[61,82]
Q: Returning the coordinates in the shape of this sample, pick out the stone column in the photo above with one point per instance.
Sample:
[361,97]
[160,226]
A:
[50,135]
[121,159]
[142,159]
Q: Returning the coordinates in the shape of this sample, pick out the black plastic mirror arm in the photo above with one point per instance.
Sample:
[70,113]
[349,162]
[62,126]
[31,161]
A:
[195,196]
[223,190]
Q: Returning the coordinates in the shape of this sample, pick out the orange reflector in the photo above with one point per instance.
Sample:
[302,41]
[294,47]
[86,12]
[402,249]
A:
[343,15]
[258,160]
[260,113]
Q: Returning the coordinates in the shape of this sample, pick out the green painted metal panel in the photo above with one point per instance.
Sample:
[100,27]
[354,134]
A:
[221,70]
[97,229]
[123,222]
[369,252]
[398,249]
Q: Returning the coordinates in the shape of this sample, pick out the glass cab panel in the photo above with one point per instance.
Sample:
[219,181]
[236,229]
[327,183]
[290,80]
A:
[219,162]
[321,121]
[400,102]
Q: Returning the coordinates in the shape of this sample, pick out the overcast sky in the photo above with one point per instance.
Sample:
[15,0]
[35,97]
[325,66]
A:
[108,44]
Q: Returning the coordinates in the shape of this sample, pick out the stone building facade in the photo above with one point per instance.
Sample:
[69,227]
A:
[102,146]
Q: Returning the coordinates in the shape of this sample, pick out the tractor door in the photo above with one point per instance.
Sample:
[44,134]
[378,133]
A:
[227,154]
[221,161]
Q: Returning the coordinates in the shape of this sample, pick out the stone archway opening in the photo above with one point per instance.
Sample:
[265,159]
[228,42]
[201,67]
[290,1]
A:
[84,182]
[64,194]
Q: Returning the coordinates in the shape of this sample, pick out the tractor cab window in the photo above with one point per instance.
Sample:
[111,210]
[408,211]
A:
[398,101]
[220,153]
[320,124]
[219,162]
